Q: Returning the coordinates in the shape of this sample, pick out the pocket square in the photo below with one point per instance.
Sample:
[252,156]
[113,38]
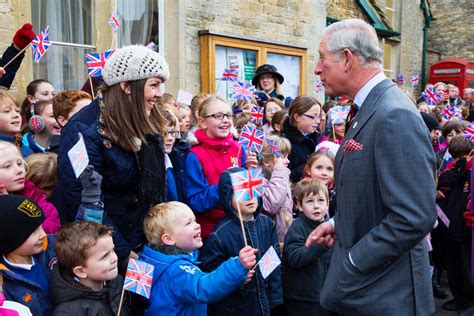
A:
[351,145]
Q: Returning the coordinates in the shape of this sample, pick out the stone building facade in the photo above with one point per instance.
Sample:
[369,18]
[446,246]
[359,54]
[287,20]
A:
[451,32]
[291,24]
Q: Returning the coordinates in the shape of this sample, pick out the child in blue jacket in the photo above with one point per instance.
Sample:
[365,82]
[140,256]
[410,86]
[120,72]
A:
[179,287]
[26,253]
[259,295]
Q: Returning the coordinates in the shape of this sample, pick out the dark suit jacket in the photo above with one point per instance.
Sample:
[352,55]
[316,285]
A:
[385,197]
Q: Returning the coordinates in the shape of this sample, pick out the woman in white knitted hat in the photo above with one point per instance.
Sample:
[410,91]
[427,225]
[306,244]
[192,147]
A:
[122,131]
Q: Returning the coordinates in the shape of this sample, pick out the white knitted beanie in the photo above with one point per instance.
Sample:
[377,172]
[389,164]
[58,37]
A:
[134,62]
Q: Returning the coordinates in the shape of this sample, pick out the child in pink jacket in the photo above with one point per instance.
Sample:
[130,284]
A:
[13,180]
[277,198]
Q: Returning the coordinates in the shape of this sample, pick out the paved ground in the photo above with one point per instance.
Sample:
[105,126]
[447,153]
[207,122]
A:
[440,302]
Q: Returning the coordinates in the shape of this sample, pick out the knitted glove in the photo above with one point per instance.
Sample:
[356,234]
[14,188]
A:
[24,36]
[91,182]
[469,219]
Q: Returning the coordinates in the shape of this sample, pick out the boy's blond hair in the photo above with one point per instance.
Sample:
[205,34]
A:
[161,218]
[307,187]
[282,143]
[42,168]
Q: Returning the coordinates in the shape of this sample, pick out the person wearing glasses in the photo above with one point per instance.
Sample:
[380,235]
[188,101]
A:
[301,129]
[174,171]
[122,130]
[268,81]
[215,153]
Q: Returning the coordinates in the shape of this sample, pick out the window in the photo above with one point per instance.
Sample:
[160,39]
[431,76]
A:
[70,22]
[220,52]
[391,13]
[387,61]
[139,22]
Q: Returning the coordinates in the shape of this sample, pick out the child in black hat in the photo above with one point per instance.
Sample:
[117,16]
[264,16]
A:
[27,254]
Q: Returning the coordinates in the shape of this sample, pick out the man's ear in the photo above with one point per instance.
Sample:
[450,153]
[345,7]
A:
[167,239]
[349,59]
[79,271]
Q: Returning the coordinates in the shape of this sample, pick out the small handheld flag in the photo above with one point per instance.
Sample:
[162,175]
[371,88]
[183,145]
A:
[431,96]
[274,147]
[114,21]
[414,80]
[243,91]
[269,262]
[469,131]
[256,115]
[152,46]
[247,184]
[319,86]
[230,74]
[400,79]
[139,277]
[40,44]
[338,114]
[252,138]
[96,62]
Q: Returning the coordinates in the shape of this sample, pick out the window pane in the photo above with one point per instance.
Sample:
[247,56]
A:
[69,21]
[242,60]
[139,22]
[289,67]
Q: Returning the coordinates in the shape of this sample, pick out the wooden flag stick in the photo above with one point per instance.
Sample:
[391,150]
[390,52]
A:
[15,57]
[241,223]
[121,301]
[92,87]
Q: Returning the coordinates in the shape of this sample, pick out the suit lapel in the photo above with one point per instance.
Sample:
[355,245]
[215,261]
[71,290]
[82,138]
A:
[365,112]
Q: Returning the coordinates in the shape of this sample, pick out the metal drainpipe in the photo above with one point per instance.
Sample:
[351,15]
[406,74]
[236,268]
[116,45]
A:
[428,19]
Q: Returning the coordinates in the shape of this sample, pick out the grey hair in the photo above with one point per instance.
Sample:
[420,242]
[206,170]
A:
[469,90]
[359,37]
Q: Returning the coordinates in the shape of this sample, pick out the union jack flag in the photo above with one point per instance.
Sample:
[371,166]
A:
[415,79]
[256,114]
[319,86]
[274,147]
[252,138]
[338,114]
[450,111]
[230,74]
[40,44]
[139,277]
[269,262]
[431,96]
[95,62]
[247,184]
[242,91]
[469,131]
[114,21]
[400,79]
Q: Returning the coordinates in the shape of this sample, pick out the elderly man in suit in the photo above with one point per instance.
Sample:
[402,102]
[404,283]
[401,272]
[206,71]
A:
[385,187]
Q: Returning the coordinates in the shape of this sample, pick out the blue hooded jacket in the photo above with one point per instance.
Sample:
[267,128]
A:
[24,291]
[181,288]
[226,240]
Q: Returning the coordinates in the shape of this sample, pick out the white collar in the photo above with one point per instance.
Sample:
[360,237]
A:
[365,90]
[24,266]
[168,163]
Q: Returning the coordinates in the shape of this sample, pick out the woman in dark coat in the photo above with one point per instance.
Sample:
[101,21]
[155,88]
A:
[268,80]
[122,130]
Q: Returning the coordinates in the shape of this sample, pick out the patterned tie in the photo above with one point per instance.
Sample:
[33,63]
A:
[351,115]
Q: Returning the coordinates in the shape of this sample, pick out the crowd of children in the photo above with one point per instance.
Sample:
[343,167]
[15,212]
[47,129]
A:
[159,188]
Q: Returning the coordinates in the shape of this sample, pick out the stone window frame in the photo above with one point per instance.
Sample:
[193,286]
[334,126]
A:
[209,41]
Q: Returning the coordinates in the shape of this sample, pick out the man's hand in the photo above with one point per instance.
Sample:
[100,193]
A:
[324,234]
[247,257]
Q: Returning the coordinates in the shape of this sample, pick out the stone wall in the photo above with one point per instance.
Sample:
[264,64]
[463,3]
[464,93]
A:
[292,22]
[13,13]
[451,33]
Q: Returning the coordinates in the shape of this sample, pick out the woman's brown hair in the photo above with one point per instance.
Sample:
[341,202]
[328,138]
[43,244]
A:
[125,116]
[301,105]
